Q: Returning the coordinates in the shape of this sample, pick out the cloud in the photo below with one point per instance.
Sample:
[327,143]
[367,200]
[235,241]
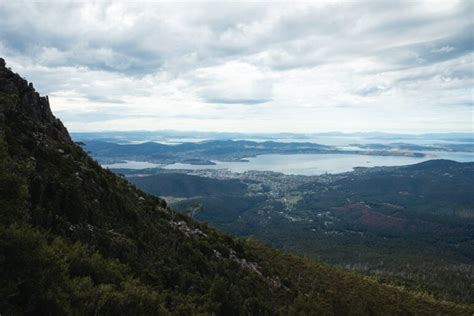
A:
[300,67]
[431,52]
[371,90]
[444,49]
[233,83]
[238,101]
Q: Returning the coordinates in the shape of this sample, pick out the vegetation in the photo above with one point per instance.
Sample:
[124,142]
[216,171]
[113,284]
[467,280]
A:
[182,185]
[77,239]
[409,226]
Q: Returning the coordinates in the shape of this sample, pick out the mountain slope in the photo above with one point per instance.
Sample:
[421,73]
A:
[410,225]
[77,239]
[183,185]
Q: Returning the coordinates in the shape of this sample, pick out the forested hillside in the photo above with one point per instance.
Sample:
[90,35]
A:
[181,185]
[408,225]
[77,239]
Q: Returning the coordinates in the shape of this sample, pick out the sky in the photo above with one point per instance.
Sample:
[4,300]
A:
[390,66]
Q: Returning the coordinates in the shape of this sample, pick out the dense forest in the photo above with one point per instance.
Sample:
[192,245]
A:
[78,239]
[407,225]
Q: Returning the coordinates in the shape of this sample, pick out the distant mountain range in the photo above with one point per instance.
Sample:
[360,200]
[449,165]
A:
[163,135]
[227,150]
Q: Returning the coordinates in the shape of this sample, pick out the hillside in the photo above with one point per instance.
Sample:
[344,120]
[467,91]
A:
[182,185]
[77,239]
[410,225]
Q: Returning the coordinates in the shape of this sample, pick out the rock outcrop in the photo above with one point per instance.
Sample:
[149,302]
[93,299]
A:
[30,103]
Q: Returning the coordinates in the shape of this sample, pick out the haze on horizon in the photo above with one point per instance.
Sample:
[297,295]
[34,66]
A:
[403,67]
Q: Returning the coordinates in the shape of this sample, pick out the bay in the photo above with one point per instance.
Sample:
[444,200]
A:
[316,164]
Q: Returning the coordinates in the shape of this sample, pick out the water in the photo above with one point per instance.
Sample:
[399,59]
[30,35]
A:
[302,164]
[316,164]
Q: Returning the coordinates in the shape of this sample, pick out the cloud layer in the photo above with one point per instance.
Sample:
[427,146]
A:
[400,66]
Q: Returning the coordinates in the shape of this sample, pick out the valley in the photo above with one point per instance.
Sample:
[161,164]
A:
[396,209]
[408,225]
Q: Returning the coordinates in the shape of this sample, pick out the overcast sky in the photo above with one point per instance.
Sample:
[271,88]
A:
[393,66]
